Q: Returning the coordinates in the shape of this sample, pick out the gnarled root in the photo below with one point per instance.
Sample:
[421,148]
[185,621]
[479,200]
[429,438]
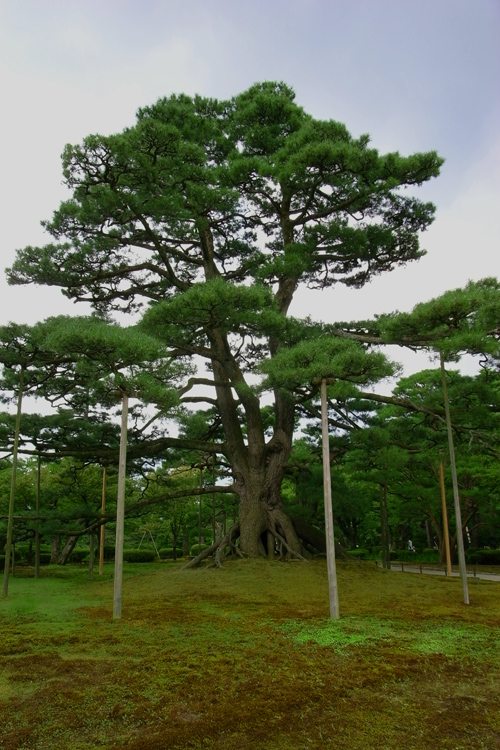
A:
[217,548]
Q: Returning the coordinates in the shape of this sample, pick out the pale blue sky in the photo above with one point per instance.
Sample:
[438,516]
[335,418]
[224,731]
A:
[415,75]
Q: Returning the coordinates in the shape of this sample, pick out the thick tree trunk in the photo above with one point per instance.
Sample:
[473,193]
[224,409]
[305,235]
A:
[67,550]
[258,466]
[54,549]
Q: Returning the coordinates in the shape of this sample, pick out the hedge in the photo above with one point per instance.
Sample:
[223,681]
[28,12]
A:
[79,555]
[406,554]
[44,559]
[167,553]
[139,555]
[361,554]
[484,557]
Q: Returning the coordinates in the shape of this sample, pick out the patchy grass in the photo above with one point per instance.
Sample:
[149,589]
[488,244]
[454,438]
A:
[246,657]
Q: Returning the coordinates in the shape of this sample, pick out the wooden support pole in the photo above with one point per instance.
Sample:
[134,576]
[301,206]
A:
[13,486]
[199,512]
[446,532]
[120,513]
[102,530]
[327,484]
[37,532]
[213,497]
[456,498]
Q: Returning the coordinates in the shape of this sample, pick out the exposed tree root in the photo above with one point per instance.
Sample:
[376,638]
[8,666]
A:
[293,534]
[217,548]
[285,545]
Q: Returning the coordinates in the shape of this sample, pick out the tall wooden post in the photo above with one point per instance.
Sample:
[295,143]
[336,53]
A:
[327,484]
[37,532]
[13,486]
[120,513]
[456,498]
[446,532]
[102,528]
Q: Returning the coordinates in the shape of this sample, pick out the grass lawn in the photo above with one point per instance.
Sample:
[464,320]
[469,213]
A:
[246,658]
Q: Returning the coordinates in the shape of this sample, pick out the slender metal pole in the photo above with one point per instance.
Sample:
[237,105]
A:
[120,513]
[446,532]
[13,486]
[37,532]
[102,531]
[327,484]
[456,498]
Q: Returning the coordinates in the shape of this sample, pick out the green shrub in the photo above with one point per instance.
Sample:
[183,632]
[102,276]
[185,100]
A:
[167,553]
[109,551]
[78,555]
[44,558]
[484,557]
[196,549]
[428,555]
[393,555]
[360,554]
[2,561]
[22,552]
[406,554]
[139,555]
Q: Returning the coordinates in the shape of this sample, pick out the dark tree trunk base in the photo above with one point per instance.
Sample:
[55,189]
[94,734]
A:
[294,537]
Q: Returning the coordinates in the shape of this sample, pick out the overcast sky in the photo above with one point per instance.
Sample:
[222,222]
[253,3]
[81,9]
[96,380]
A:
[414,75]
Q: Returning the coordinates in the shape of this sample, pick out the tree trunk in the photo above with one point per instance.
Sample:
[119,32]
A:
[185,542]
[428,533]
[67,549]
[54,549]
[91,556]
[258,467]
[385,534]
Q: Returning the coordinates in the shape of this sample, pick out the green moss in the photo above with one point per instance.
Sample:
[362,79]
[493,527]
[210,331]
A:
[246,657]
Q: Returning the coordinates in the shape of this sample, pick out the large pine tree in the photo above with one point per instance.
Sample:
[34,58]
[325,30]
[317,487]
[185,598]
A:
[214,213]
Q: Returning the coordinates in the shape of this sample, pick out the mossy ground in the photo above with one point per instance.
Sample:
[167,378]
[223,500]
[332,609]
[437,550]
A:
[246,657]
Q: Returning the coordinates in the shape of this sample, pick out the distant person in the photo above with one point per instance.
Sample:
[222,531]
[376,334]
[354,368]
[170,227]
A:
[411,548]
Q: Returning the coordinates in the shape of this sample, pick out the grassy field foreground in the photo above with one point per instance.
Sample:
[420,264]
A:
[245,657]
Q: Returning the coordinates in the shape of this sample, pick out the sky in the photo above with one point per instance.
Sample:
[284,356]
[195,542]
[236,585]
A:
[416,76]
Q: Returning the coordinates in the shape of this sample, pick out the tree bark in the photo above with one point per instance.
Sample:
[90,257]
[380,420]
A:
[54,549]
[68,547]
[385,538]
